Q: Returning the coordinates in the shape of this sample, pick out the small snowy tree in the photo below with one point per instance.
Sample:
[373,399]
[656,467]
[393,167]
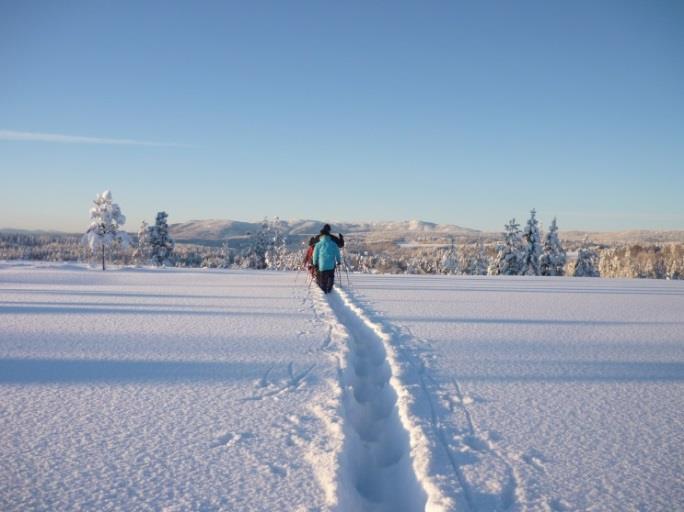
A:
[478,261]
[282,253]
[510,254]
[227,255]
[255,255]
[276,245]
[105,220]
[448,263]
[530,266]
[161,243]
[142,250]
[553,258]
[587,262]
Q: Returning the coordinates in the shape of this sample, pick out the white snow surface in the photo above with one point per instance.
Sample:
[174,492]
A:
[170,389]
[161,390]
[546,393]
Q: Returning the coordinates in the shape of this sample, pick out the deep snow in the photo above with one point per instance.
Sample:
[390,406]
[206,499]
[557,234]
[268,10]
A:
[179,389]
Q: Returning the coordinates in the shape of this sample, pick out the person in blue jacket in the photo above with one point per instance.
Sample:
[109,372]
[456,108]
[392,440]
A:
[326,256]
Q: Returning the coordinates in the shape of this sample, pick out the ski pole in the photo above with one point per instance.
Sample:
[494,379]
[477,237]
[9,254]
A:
[346,270]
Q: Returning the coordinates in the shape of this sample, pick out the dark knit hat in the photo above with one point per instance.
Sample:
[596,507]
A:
[326,230]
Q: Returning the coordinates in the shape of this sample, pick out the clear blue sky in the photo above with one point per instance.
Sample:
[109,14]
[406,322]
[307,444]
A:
[454,112]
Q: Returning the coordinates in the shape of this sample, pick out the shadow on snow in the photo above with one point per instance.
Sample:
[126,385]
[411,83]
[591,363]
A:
[82,371]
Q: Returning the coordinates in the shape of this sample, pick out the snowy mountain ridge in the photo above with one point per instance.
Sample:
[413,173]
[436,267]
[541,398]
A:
[215,229]
[397,231]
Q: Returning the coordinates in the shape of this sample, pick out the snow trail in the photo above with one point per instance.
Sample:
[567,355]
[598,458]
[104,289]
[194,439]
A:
[398,430]
[382,460]
[380,463]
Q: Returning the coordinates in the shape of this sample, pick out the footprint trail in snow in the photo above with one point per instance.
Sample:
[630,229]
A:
[378,472]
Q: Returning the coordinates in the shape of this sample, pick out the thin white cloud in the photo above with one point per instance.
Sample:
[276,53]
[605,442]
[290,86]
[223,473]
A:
[76,139]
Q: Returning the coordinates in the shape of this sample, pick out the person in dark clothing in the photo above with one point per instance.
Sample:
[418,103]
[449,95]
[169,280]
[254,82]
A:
[326,256]
[339,239]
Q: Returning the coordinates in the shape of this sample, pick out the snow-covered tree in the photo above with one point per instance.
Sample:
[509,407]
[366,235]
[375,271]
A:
[281,251]
[142,250]
[105,220]
[276,245]
[227,255]
[674,262]
[533,249]
[587,262]
[478,261]
[448,263]
[553,258]
[511,253]
[161,243]
[255,255]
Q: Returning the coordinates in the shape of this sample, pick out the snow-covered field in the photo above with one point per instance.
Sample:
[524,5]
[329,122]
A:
[147,389]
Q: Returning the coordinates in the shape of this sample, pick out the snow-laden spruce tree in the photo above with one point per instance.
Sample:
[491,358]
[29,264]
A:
[587,261]
[142,250]
[160,241]
[510,253]
[533,249]
[553,258]
[105,220]
[448,263]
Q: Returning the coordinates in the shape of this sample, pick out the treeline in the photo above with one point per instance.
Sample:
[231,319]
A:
[41,247]
[639,261]
[519,252]
[653,261]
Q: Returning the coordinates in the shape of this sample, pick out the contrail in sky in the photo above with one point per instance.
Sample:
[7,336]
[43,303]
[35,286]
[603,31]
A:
[77,139]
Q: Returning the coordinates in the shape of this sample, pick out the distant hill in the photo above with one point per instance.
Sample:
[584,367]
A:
[214,230]
[14,231]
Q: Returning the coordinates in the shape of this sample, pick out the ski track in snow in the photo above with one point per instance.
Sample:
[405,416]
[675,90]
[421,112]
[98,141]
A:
[380,464]
[390,444]
[380,471]
[386,351]
[488,477]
